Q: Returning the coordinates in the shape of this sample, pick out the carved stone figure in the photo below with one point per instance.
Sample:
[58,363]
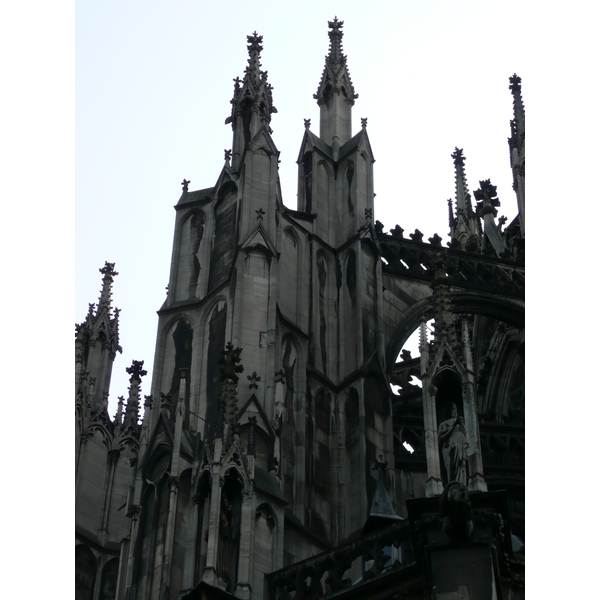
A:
[455,507]
[452,439]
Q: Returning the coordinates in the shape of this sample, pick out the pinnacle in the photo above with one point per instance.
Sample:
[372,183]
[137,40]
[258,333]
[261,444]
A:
[335,74]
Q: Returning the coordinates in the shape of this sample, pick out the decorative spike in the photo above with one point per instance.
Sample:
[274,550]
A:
[119,415]
[467,229]
[519,109]
[108,270]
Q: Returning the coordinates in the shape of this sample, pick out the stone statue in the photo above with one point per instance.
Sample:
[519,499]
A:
[452,439]
[455,507]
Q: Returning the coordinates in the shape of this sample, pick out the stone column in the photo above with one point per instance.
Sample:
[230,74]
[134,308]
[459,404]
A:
[113,457]
[244,586]
[475,464]
[135,522]
[191,556]
[209,574]
[170,527]
[433,485]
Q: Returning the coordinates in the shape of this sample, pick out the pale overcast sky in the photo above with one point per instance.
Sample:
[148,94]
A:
[153,85]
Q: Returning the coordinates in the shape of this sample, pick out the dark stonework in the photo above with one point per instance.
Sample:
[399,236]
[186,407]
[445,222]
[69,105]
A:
[216,343]
[224,242]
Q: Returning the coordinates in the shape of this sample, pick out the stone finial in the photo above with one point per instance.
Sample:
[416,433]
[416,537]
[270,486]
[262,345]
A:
[487,199]
[184,184]
[369,214]
[435,240]
[227,156]
[335,74]
[136,370]
[397,232]
[363,123]
[108,270]
[307,123]
[279,376]
[228,363]
[417,236]
[260,213]
[254,379]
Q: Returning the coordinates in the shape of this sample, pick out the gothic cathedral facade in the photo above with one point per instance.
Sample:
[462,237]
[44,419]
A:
[272,458]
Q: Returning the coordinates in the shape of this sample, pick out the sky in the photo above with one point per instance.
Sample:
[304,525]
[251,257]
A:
[107,106]
[153,83]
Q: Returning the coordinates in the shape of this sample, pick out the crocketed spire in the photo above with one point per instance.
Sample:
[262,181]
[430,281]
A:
[335,77]
[464,228]
[252,102]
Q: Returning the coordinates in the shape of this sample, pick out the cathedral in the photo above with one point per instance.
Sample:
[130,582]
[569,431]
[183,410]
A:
[288,446]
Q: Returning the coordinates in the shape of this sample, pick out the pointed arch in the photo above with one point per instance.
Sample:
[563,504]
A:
[86,566]
[290,272]
[216,326]
[108,581]
[191,233]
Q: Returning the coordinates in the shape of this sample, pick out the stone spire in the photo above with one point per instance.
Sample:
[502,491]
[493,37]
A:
[97,339]
[108,272]
[252,102]
[444,327]
[137,371]
[382,512]
[516,143]
[518,123]
[465,229]
[335,94]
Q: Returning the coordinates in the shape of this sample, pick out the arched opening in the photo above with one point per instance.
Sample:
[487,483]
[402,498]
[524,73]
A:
[216,344]
[307,170]
[229,528]
[85,573]
[182,340]
[108,583]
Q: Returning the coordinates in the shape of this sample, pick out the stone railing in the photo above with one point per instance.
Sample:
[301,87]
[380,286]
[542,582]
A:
[347,566]
[415,260]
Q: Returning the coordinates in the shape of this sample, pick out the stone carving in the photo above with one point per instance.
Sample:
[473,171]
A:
[259,214]
[452,439]
[228,363]
[184,184]
[363,123]
[455,507]
[307,123]
[136,370]
[253,379]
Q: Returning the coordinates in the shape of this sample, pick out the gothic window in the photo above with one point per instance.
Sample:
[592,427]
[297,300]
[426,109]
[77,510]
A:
[108,585]
[223,247]
[307,168]
[85,573]
[348,187]
[229,529]
[203,492]
[246,118]
[216,344]
[182,340]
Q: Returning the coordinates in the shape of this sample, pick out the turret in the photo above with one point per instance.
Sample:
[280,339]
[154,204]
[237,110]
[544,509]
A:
[335,94]
[252,102]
